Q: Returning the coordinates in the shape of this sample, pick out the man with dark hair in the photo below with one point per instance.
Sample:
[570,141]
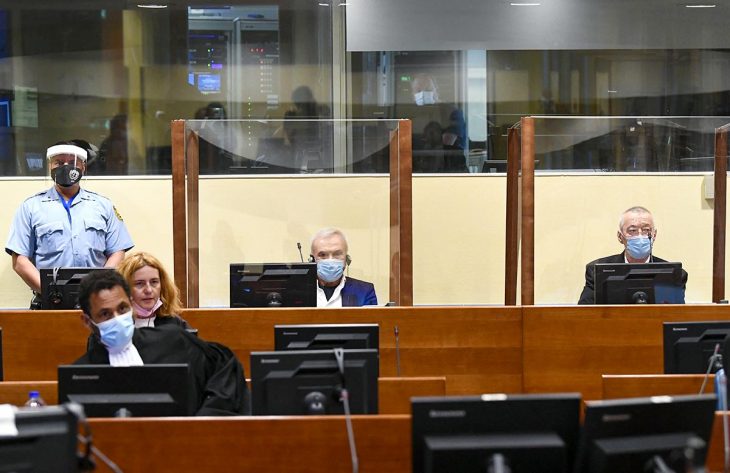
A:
[218,380]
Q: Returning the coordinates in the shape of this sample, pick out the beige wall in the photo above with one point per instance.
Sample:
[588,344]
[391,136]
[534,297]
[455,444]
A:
[458,225]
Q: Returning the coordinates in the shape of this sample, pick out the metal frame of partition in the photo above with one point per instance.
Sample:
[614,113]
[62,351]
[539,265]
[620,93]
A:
[185,214]
[522,215]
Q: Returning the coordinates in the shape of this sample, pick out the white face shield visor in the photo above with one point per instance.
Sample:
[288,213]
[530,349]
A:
[65,164]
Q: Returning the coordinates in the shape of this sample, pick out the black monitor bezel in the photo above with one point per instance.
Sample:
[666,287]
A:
[607,273]
[145,385]
[642,418]
[49,435]
[283,364]
[69,291]
[307,299]
[490,415]
[284,336]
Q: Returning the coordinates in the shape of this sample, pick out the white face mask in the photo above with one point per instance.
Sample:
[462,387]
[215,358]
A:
[425,97]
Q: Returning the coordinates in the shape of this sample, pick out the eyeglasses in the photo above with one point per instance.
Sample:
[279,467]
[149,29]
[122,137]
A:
[636,231]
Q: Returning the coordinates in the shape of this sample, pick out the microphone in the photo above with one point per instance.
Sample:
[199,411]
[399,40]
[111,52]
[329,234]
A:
[397,352]
[710,365]
[299,247]
[345,398]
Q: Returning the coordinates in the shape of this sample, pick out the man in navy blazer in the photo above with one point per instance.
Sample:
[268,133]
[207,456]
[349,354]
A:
[334,289]
[637,234]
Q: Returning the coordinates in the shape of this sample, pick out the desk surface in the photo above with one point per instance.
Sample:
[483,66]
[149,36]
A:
[271,444]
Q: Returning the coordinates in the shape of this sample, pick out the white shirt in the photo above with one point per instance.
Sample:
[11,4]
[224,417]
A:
[335,300]
[147,322]
[128,356]
[626,260]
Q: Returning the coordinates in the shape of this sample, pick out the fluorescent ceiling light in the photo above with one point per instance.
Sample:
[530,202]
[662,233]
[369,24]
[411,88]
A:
[151,5]
[525,4]
[701,6]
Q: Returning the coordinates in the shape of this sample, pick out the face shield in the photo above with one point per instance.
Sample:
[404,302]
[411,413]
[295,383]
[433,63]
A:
[66,164]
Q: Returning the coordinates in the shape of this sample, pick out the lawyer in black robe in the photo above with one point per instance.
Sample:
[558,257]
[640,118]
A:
[218,380]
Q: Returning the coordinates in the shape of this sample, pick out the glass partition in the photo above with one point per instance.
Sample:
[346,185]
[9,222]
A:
[293,178]
[637,159]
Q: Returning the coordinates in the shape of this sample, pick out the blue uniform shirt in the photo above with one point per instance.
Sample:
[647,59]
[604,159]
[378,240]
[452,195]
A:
[82,235]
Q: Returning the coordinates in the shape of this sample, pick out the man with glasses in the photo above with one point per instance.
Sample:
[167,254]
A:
[637,233]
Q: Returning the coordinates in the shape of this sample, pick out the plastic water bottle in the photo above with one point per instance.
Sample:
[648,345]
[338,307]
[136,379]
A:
[721,389]
[35,400]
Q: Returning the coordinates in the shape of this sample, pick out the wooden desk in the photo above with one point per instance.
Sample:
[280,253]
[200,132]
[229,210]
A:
[644,385]
[394,394]
[16,392]
[255,444]
[477,349]
[272,444]
[36,342]
[569,348]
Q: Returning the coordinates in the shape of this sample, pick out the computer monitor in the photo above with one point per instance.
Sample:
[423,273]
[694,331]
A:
[46,441]
[326,336]
[688,346]
[639,283]
[310,382]
[634,435]
[273,285]
[528,433]
[60,287]
[136,391]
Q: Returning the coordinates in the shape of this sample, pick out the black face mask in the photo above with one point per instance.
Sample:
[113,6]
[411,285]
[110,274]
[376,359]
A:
[66,175]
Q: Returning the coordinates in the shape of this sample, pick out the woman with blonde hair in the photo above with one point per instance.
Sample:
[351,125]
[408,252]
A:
[155,298]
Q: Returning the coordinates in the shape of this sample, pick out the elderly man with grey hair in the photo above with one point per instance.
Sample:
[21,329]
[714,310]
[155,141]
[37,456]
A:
[637,233]
[329,250]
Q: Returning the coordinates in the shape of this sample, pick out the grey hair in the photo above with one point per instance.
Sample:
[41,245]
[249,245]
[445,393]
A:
[635,209]
[325,233]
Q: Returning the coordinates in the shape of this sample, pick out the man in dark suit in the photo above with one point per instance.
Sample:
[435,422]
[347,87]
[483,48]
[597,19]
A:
[334,289]
[637,234]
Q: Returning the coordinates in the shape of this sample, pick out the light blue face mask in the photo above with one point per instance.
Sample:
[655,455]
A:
[330,270]
[639,247]
[116,333]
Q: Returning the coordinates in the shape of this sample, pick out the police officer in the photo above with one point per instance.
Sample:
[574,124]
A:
[65,226]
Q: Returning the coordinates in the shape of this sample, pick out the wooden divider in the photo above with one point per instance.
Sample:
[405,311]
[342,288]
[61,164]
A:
[261,445]
[273,444]
[645,385]
[36,342]
[569,348]
[477,349]
[394,394]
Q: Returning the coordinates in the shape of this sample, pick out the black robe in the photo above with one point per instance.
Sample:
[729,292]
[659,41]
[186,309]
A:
[218,379]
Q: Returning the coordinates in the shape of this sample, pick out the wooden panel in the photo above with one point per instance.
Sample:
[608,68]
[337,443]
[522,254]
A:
[527,218]
[512,215]
[394,394]
[193,248]
[16,392]
[261,445]
[720,214]
[401,216]
[179,222]
[477,349]
[569,348]
[620,386]
[36,342]
[716,455]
